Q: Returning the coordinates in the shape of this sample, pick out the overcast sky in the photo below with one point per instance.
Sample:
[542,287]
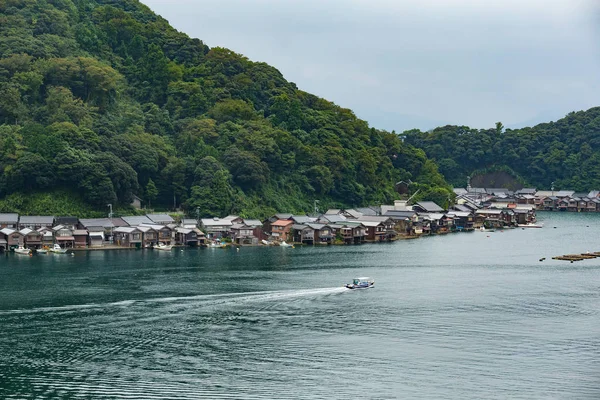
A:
[402,64]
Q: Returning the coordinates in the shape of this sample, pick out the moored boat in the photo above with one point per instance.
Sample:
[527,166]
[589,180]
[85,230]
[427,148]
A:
[531,225]
[57,249]
[163,246]
[361,283]
[43,250]
[23,251]
[285,244]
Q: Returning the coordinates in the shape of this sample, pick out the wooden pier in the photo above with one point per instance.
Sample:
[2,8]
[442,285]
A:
[577,257]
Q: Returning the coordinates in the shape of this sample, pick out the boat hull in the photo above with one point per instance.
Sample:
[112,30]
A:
[357,287]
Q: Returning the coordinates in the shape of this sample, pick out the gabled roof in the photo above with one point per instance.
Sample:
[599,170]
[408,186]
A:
[526,191]
[9,218]
[137,220]
[353,213]
[8,231]
[333,217]
[429,206]
[156,227]
[459,191]
[299,227]
[27,231]
[302,219]
[231,217]
[189,221]
[80,232]
[593,193]
[253,222]
[317,227]
[460,214]
[461,208]
[216,222]
[185,231]
[100,222]
[125,229]
[66,220]
[366,211]
[376,218]
[489,212]
[160,218]
[36,219]
[581,195]
[564,193]
[282,222]
[333,211]
[283,216]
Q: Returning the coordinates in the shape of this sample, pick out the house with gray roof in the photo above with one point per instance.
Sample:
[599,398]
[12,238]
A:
[160,219]
[427,207]
[138,220]
[35,222]
[9,220]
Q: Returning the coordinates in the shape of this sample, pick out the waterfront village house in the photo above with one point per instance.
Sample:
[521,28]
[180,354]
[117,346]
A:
[163,234]
[243,234]
[81,238]
[405,222]
[9,221]
[312,233]
[13,237]
[96,237]
[267,223]
[493,218]
[257,228]
[463,220]
[36,222]
[280,229]
[47,236]
[216,228]
[189,223]
[149,235]
[549,203]
[437,222]
[189,236]
[593,204]
[379,228]
[562,204]
[331,219]
[349,231]
[128,236]
[521,216]
[427,207]
[64,236]
[105,226]
[67,222]
[234,219]
[160,219]
[31,238]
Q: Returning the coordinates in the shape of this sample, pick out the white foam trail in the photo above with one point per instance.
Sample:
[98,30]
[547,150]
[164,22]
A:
[211,299]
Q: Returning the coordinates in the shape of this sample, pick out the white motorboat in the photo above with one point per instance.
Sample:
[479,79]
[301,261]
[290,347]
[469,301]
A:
[23,251]
[361,283]
[217,245]
[284,244]
[163,246]
[531,225]
[57,249]
[41,251]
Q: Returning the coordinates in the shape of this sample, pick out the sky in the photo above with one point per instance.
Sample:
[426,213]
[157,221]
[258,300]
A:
[404,64]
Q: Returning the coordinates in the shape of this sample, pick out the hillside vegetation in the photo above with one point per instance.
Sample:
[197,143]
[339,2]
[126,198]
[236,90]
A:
[566,152]
[104,99]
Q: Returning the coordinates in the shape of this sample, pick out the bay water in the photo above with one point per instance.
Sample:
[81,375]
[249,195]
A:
[460,316]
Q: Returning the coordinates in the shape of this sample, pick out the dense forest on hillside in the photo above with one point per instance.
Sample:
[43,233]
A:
[101,100]
[566,152]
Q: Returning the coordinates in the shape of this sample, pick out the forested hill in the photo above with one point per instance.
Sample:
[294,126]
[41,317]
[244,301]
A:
[102,100]
[566,152]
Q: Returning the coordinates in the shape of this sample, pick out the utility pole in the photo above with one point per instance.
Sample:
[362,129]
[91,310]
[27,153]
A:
[552,188]
[315,207]
[110,215]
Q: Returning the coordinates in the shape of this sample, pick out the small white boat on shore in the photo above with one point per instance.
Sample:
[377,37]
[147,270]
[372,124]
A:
[23,251]
[57,249]
[361,283]
[163,246]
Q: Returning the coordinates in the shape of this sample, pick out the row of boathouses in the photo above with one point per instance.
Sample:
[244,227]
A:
[360,225]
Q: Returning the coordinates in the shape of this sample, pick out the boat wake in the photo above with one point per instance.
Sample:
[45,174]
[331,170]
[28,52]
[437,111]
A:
[209,300]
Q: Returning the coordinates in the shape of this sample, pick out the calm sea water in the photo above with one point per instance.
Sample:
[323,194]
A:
[462,316]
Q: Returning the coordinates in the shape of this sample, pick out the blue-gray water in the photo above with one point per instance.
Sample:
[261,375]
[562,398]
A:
[461,316]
